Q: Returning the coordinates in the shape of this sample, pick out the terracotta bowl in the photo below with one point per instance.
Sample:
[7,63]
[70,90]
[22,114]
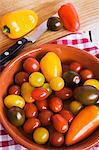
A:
[66,54]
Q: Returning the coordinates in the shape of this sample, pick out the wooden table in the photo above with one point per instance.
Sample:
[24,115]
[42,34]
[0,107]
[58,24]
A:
[88,11]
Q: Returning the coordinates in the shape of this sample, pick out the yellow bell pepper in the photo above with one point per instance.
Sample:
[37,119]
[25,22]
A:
[51,66]
[18,23]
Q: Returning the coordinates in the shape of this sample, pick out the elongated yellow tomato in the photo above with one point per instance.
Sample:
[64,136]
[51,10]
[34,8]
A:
[51,66]
[14,100]
[26,90]
[18,23]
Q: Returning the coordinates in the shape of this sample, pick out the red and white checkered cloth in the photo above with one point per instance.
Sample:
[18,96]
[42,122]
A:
[75,40]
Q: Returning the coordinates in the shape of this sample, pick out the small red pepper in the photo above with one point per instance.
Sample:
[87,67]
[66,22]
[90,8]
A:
[69,17]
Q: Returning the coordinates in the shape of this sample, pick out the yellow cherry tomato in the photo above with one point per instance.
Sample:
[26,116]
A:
[57,83]
[51,66]
[47,86]
[41,135]
[26,90]
[75,107]
[92,82]
[36,79]
[14,100]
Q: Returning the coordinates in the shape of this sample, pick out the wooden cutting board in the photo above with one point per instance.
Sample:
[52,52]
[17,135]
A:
[88,11]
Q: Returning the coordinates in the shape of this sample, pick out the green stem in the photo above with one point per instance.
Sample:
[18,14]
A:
[6,29]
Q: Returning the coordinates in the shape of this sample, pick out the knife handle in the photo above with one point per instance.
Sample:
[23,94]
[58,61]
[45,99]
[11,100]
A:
[8,54]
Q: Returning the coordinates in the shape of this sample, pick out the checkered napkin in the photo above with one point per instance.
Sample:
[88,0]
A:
[75,40]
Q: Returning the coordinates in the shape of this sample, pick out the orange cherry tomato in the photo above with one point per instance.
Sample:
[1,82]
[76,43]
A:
[14,89]
[69,17]
[45,117]
[64,93]
[86,74]
[67,115]
[31,124]
[30,110]
[75,66]
[55,104]
[21,77]
[42,105]
[56,139]
[40,94]
[59,123]
[31,65]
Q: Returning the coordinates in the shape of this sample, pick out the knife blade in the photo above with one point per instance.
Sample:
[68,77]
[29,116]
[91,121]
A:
[31,37]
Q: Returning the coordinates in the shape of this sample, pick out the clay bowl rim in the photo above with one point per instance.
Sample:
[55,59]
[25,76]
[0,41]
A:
[26,53]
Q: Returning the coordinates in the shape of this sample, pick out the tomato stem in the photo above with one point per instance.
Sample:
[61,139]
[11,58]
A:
[6,29]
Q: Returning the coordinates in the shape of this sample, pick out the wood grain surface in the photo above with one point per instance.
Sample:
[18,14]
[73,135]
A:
[88,11]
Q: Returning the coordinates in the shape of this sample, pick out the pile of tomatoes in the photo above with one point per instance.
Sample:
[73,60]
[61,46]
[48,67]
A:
[37,101]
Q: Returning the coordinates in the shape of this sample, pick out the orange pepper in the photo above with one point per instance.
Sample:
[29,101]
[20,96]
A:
[69,17]
[83,125]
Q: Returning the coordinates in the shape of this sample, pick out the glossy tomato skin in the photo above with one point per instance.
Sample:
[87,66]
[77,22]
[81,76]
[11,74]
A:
[31,124]
[47,86]
[40,94]
[14,89]
[86,74]
[36,79]
[75,66]
[45,117]
[30,110]
[42,105]
[75,107]
[41,135]
[16,116]
[67,115]
[64,93]
[21,77]
[59,123]
[31,65]
[56,139]
[57,83]
[55,104]
[92,82]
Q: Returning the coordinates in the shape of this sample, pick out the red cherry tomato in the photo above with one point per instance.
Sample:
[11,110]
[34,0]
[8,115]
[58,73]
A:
[21,77]
[31,124]
[45,117]
[57,139]
[42,105]
[30,110]
[40,94]
[14,89]
[75,66]
[64,93]
[55,104]
[67,115]
[59,123]
[86,74]
[31,65]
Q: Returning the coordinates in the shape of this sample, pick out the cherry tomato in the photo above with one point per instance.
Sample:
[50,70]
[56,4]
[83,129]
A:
[75,66]
[86,74]
[75,107]
[40,94]
[30,110]
[42,105]
[41,135]
[55,104]
[31,65]
[47,86]
[45,117]
[92,82]
[36,79]
[67,115]
[16,116]
[64,93]
[59,123]
[57,139]
[21,77]
[14,89]
[57,83]
[31,124]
